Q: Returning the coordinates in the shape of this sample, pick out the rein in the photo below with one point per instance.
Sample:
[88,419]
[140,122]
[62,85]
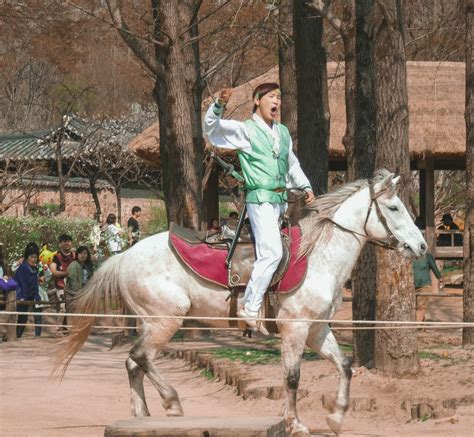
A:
[392,241]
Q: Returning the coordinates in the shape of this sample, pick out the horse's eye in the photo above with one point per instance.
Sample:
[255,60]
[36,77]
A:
[393,208]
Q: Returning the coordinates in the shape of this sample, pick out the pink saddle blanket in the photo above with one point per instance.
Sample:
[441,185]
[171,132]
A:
[209,263]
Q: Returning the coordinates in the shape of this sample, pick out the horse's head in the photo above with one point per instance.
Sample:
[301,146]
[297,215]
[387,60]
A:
[388,220]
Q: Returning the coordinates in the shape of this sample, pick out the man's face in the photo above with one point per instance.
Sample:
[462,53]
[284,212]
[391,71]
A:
[269,105]
[65,246]
[137,214]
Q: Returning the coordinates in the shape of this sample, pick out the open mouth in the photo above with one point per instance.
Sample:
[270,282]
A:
[274,110]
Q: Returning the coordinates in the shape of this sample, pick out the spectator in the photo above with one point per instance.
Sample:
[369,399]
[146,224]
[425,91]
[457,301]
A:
[234,215]
[78,273]
[214,226]
[97,240]
[61,261]
[114,235]
[449,225]
[6,283]
[133,226]
[27,277]
[421,274]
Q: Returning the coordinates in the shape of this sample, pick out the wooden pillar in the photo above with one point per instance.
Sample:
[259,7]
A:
[10,305]
[427,206]
[422,212]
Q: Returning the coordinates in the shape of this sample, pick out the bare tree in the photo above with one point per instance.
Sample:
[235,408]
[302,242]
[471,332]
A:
[468,296]
[17,183]
[287,69]
[313,103]
[395,352]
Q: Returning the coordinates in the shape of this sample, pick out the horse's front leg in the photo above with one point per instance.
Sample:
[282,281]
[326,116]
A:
[293,341]
[322,340]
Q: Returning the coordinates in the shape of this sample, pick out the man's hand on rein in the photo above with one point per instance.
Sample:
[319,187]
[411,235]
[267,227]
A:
[309,197]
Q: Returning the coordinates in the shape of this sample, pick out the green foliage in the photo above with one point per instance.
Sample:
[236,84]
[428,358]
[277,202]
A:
[74,97]
[158,221]
[51,209]
[16,233]
[225,208]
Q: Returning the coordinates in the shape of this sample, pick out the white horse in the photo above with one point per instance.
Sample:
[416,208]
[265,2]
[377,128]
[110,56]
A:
[152,281]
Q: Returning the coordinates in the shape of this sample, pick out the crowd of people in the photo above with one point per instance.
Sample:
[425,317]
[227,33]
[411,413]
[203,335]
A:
[42,276]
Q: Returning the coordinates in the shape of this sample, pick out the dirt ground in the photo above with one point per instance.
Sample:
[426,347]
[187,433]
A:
[94,392]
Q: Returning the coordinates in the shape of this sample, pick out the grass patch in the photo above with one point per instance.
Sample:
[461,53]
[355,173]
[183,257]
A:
[207,374]
[179,336]
[425,417]
[425,355]
[346,348]
[248,356]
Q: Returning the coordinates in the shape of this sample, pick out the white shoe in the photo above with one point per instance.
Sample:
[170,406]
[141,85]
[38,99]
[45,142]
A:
[251,320]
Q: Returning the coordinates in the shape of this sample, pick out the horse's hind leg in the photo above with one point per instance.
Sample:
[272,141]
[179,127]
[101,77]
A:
[322,340]
[292,347]
[137,392]
[155,336]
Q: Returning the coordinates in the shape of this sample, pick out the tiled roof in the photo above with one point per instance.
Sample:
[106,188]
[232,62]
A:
[38,145]
[74,182]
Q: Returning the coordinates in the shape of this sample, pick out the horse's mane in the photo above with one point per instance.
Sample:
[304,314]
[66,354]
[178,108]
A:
[315,222]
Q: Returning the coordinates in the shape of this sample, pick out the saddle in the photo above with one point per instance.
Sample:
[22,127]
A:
[205,255]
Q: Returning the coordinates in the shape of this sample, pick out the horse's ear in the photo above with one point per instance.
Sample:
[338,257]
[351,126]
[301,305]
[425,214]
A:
[392,188]
[385,184]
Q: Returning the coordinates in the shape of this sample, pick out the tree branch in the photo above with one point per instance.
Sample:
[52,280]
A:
[131,39]
[324,10]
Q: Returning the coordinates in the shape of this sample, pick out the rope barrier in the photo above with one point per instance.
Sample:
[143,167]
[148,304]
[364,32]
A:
[48,325]
[198,328]
[413,324]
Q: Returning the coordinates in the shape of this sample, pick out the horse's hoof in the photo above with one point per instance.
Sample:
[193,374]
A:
[175,410]
[299,430]
[334,421]
[141,414]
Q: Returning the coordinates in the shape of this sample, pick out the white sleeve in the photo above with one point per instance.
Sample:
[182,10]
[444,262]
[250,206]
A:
[228,134]
[296,177]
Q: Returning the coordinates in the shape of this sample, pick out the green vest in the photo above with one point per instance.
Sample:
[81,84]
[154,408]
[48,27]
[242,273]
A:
[263,171]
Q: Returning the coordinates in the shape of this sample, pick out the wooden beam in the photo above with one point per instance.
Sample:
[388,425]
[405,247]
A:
[198,426]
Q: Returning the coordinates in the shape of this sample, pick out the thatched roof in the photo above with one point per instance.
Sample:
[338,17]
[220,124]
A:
[436,93]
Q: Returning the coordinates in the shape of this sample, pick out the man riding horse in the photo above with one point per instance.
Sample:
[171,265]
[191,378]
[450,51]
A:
[269,165]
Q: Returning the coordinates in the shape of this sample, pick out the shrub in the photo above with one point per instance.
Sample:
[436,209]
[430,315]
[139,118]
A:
[16,233]
[158,222]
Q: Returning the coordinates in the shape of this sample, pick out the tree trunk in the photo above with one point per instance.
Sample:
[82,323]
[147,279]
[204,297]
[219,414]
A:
[59,167]
[118,195]
[287,71]
[312,102]
[181,144]
[95,195]
[211,192]
[396,351]
[361,164]
[468,296]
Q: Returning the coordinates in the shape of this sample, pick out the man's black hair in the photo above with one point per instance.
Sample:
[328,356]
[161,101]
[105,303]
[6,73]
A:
[136,209]
[64,237]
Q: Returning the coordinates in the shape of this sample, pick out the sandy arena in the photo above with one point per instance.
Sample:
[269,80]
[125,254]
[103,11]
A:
[95,392]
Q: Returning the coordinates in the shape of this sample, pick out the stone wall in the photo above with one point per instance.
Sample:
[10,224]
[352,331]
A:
[79,202]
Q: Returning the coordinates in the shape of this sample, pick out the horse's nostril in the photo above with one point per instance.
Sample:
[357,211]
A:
[423,246]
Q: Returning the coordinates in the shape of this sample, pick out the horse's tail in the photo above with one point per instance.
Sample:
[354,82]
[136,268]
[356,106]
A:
[103,284]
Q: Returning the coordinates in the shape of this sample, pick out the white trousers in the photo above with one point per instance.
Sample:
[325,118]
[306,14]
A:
[265,221]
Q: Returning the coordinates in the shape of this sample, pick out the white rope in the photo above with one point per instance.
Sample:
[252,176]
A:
[48,325]
[333,328]
[208,318]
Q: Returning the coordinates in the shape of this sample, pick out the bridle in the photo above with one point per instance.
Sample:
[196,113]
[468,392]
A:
[391,242]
